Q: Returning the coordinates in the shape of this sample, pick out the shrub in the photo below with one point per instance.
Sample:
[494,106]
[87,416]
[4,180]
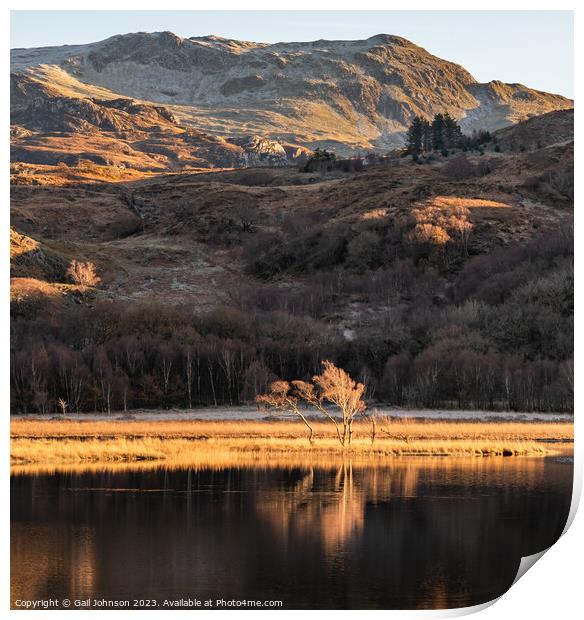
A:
[83,274]
[459,169]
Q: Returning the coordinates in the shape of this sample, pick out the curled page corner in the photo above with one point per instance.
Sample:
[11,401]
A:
[526,563]
[467,611]
[529,560]
[576,494]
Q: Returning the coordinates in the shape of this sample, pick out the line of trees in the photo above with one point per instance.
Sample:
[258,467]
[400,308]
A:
[443,132]
[131,372]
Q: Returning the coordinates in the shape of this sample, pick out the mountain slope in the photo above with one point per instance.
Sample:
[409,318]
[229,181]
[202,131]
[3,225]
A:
[551,129]
[52,126]
[346,94]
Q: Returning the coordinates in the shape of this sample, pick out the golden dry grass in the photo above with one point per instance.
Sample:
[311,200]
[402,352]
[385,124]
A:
[72,441]
[22,288]
[449,202]
[21,244]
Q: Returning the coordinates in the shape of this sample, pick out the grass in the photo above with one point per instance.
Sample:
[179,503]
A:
[110,441]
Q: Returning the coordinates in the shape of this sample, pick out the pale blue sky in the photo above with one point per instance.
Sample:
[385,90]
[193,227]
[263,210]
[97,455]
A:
[531,47]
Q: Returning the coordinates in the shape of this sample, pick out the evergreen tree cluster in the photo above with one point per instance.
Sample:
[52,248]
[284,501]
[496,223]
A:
[323,155]
[443,133]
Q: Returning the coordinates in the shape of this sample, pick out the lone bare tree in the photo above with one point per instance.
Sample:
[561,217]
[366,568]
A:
[282,396]
[83,274]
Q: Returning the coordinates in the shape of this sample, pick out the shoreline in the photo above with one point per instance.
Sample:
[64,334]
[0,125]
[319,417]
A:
[250,412]
[291,462]
[70,441]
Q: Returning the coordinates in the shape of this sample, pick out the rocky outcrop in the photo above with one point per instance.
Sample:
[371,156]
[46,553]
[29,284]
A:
[261,151]
[30,258]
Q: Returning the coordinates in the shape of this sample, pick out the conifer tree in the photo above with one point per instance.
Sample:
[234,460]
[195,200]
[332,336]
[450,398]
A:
[415,136]
[427,135]
[438,132]
[452,132]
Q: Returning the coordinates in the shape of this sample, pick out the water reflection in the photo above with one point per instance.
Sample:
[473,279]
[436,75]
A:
[406,533]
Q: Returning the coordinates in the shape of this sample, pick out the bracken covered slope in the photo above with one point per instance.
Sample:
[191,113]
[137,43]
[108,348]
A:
[180,236]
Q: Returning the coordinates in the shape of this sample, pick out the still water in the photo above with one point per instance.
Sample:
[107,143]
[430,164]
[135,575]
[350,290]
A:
[408,533]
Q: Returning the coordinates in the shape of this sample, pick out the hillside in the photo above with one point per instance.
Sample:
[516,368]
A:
[171,168]
[408,274]
[548,130]
[349,95]
[167,223]
[122,136]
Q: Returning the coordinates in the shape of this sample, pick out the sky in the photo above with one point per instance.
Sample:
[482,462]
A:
[534,48]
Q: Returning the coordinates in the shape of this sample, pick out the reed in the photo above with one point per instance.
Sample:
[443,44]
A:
[111,441]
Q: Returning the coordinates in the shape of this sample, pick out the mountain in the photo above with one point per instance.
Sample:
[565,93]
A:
[443,280]
[349,95]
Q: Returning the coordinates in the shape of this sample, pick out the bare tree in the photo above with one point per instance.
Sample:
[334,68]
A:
[63,405]
[430,234]
[334,387]
[567,369]
[337,388]
[373,420]
[458,221]
[307,392]
[105,377]
[257,378]
[189,376]
[83,274]
[245,216]
[282,396]
[167,355]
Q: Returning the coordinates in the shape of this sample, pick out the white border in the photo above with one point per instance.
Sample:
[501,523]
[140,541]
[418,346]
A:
[552,587]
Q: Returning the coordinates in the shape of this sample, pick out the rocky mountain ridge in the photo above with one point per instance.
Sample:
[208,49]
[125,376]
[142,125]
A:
[348,95]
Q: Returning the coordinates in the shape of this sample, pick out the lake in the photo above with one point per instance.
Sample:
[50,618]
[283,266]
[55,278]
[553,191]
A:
[392,534]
